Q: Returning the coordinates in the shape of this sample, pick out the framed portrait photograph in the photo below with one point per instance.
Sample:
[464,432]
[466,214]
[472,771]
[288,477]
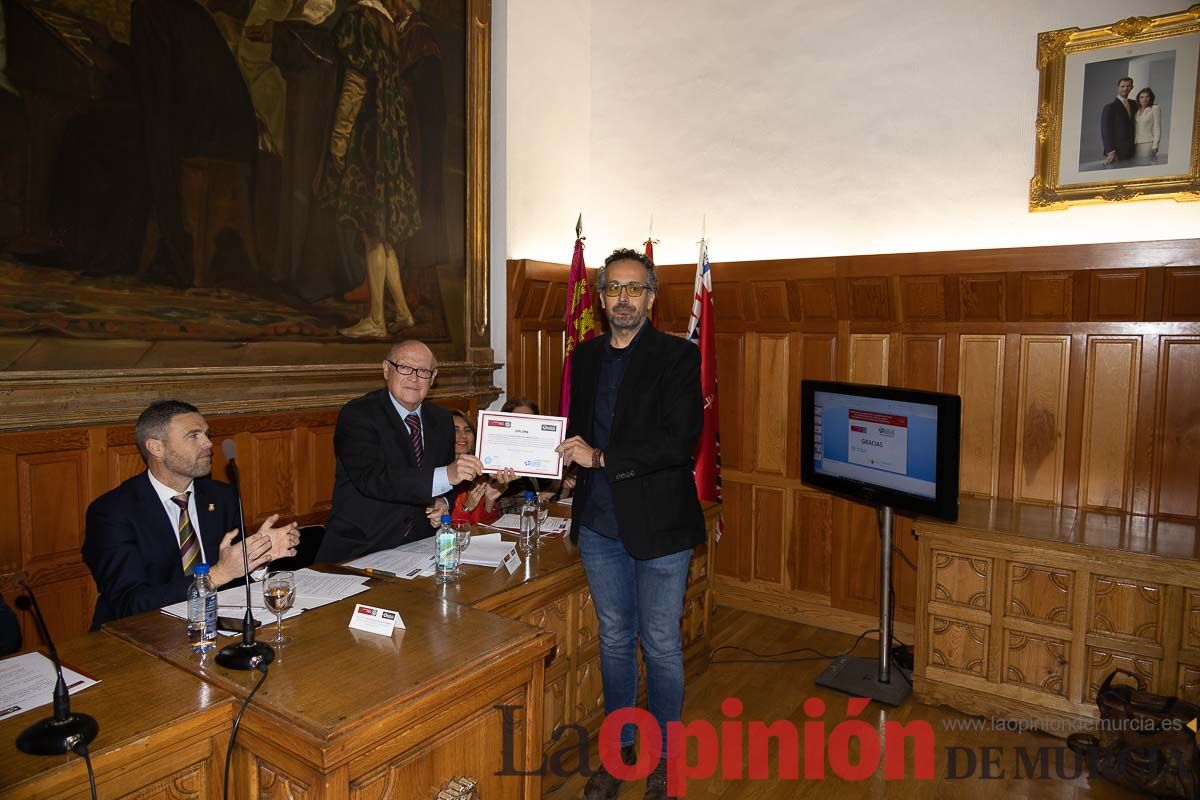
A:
[1117,113]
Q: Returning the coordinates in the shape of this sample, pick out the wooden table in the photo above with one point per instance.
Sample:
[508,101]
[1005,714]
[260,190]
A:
[345,714]
[1023,610]
[163,732]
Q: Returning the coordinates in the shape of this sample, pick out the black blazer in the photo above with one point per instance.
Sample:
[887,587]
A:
[1116,128]
[133,552]
[658,418]
[378,489]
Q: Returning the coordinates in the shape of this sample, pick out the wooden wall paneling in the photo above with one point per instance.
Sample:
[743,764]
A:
[981,386]
[769,518]
[818,300]
[1118,295]
[904,573]
[869,358]
[1009,413]
[1177,433]
[769,301]
[982,298]
[733,390]
[551,394]
[1041,423]
[271,488]
[1147,426]
[52,492]
[733,556]
[769,419]
[855,555]
[1046,296]
[809,542]
[1181,293]
[870,299]
[922,298]
[1109,421]
[319,463]
[820,356]
[524,370]
[922,361]
[1073,420]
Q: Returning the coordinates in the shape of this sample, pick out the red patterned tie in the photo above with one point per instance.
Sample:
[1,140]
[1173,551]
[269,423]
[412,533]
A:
[414,432]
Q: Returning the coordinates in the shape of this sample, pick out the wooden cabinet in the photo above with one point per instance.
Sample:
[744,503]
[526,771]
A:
[1025,610]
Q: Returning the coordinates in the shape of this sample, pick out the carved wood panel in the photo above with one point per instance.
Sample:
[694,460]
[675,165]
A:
[981,298]
[1038,662]
[922,358]
[1041,418]
[769,521]
[961,580]
[1191,618]
[1118,295]
[1189,683]
[272,484]
[818,300]
[52,490]
[958,646]
[770,301]
[189,783]
[870,299]
[587,625]
[1039,594]
[923,297]
[1181,295]
[124,461]
[1177,433]
[733,385]
[1102,661]
[981,386]
[1046,296]
[554,704]
[1110,421]
[692,628]
[811,532]
[321,468]
[819,357]
[869,358]
[1128,608]
[554,618]
[275,784]
[588,691]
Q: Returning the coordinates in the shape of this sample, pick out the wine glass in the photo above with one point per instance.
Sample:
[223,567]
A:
[462,536]
[279,592]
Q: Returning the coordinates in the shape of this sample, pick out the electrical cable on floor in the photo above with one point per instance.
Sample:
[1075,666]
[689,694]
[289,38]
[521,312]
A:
[774,658]
[81,750]
[237,721]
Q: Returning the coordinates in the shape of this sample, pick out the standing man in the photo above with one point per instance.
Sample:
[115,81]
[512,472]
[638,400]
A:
[1116,124]
[145,537]
[395,461]
[636,414]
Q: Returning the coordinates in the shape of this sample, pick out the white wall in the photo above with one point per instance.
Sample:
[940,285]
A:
[795,128]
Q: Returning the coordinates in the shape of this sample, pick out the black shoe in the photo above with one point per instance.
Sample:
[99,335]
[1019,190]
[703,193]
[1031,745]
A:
[603,785]
[656,783]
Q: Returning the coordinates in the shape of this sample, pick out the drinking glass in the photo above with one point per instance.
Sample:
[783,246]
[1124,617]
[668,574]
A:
[279,592]
[462,537]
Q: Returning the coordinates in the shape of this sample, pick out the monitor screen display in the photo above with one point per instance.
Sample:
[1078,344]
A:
[882,445]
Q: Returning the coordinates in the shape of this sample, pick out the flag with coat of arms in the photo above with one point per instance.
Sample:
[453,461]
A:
[580,317]
[701,331]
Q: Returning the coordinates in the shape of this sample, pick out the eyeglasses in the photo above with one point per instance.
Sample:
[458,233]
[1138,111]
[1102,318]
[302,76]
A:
[633,288]
[405,369]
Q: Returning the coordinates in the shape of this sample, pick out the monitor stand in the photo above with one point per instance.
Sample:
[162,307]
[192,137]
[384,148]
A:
[871,677]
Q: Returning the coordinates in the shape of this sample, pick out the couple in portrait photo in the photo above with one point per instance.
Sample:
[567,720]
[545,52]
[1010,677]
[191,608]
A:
[1131,127]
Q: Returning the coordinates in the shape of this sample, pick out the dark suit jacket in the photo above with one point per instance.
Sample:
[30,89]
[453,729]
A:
[1116,129]
[658,418]
[133,552]
[379,490]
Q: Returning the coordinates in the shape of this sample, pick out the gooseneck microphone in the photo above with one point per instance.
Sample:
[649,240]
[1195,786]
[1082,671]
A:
[246,654]
[66,731]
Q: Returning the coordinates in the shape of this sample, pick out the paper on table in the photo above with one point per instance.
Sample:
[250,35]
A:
[27,681]
[550,525]
[487,550]
[313,584]
[412,560]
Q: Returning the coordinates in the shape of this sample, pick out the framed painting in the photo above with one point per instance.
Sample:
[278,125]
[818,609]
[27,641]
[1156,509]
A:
[1117,112]
[189,188]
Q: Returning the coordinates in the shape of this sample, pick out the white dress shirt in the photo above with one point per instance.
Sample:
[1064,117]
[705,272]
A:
[165,493]
[441,483]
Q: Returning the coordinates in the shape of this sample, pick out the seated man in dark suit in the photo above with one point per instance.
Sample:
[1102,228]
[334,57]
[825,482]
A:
[145,537]
[395,461]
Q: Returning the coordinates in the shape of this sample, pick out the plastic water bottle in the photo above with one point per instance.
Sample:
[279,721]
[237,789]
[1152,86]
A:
[530,527]
[202,611]
[446,549]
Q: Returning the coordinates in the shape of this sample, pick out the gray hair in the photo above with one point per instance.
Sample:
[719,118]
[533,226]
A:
[626,254]
[152,423]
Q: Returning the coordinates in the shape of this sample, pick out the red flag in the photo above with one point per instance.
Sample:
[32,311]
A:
[649,244]
[580,318]
[702,332]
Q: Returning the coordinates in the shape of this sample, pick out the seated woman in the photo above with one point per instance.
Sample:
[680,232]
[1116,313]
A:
[546,490]
[476,501]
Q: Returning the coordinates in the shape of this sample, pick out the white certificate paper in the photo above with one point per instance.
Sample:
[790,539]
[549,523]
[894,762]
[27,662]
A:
[524,442]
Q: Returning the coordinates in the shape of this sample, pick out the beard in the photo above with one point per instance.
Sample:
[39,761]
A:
[630,321]
[196,467]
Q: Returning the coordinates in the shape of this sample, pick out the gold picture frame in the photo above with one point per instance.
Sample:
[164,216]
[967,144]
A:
[1076,161]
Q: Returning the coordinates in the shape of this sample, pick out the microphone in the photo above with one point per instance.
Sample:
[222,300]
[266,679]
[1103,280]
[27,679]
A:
[246,654]
[65,731]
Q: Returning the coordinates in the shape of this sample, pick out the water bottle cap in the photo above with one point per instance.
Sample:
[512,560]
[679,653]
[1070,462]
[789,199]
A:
[529,495]
[200,569]
[445,519]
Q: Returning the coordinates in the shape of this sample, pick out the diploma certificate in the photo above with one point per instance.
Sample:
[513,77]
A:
[524,442]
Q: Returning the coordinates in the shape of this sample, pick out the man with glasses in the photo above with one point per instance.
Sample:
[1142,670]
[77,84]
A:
[636,414]
[395,461]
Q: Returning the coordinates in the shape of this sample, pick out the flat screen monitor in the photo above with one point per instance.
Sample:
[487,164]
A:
[882,446]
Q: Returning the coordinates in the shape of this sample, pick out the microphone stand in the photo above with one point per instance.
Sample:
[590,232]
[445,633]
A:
[246,654]
[65,731]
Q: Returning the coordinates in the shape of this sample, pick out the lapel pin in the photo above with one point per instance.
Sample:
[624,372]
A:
[212,506]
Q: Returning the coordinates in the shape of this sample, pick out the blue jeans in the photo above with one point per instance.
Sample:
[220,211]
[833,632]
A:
[637,598]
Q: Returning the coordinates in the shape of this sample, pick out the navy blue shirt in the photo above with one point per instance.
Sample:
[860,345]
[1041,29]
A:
[601,513]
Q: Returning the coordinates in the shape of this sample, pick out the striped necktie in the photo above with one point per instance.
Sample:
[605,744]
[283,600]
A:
[413,421]
[189,545]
